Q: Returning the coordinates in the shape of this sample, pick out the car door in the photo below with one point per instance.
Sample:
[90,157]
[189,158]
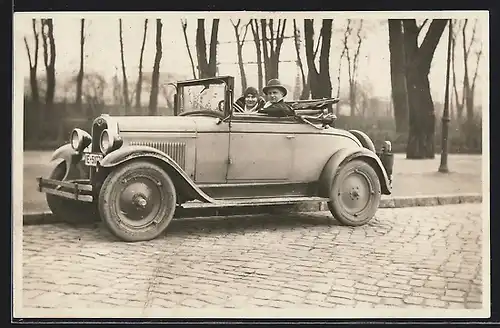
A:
[260,150]
[212,151]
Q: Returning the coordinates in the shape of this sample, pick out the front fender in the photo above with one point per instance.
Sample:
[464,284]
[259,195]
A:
[345,155]
[364,139]
[70,157]
[180,177]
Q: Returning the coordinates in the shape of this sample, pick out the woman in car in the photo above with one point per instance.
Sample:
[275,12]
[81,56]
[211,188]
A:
[250,101]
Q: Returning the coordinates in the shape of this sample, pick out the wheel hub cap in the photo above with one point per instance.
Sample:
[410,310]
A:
[139,201]
[355,193]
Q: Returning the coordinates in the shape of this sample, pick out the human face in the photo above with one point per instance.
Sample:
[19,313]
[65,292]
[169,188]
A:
[274,95]
[250,100]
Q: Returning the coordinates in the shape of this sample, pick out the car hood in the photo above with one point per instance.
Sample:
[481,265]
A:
[155,123]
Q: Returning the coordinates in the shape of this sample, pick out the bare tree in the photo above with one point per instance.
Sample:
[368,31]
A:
[254,24]
[305,85]
[398,74]
[271,46]
[79,79]
[321,86]
[93,88]
[153,99]
[138,87]
[124,73]
[49,57]
[184,30]
[240,42]
[421,107]
[207,68]
[33,62]
[352,60]
[470,86]
[339,71]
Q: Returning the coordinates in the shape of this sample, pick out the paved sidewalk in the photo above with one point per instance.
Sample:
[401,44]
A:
[422,258]
[411,177]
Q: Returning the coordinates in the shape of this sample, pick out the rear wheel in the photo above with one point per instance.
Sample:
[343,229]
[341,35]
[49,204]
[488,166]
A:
[70,210]
[137,201]
[355,193]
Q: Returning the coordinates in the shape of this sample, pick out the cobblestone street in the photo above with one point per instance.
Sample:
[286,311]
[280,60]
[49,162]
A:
[425,257]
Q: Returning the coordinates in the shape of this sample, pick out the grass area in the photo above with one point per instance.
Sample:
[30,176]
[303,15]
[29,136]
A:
[411,177]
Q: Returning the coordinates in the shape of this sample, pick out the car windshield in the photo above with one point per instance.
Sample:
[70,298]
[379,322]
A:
[201,97]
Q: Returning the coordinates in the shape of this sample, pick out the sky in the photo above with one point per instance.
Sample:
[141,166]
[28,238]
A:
[102,48]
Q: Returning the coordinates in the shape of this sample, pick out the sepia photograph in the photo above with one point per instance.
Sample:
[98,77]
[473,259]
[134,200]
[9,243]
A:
[251,164]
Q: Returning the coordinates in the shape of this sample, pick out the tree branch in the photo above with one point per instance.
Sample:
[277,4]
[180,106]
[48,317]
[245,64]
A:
[35,33]
[45,47]
[245,33]
[421,26]
[184,28]
[479,53]
[28,51]
[472,38]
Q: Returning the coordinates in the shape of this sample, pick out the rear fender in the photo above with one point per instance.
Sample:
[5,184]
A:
[345,155]
[181,179]
[72,160]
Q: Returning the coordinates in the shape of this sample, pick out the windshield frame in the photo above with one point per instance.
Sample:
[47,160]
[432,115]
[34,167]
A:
[227,81]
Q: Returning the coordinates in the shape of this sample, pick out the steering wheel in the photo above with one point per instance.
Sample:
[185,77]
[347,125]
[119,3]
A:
[211,113]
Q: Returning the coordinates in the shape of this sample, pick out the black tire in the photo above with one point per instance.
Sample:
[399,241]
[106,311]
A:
[137,201]
[355,193]
[69,210]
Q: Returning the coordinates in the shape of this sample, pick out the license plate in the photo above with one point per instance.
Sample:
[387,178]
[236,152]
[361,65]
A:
[92,159]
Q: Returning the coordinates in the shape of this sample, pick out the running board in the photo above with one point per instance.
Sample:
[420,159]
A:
[245,202]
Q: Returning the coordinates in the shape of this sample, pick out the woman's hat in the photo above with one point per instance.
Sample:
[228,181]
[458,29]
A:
[274,83]
[251,91]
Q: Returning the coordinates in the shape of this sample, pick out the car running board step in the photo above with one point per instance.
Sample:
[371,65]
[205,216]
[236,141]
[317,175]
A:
[237,202]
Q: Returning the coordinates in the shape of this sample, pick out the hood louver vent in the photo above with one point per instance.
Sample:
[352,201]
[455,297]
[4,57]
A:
[176,150]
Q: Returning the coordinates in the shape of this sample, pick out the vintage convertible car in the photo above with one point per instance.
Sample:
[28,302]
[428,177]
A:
[135,172]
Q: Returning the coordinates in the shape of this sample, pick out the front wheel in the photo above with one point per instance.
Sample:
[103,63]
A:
[355,193]
[137,201]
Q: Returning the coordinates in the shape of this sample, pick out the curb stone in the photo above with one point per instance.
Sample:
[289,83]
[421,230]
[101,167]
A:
[395,202]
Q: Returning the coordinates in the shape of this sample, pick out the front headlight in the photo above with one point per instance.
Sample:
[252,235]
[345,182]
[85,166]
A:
[109,141]
[106,142]
[79,139]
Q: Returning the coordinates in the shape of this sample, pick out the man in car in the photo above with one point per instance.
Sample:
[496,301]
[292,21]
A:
[276,106]
[250,101]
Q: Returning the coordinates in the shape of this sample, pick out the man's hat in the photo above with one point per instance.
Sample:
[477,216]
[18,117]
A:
[274,83]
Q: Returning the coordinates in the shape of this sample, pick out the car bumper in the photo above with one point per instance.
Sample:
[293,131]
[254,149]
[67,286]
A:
[80,190]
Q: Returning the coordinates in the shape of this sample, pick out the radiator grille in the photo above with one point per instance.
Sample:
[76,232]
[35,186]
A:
[176,150]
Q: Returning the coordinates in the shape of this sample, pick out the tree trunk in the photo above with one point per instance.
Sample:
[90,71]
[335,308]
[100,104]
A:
[50,62]
[398,76]
[239,49]
[201,48]
[184,31]
[33,64]
[324,60]
[305,86]
[79,79]
[138,87]
[212,63]
[257,41]
[313,74]
[124,73]
[265,49]
[421,107]
[153,99]
[352,97]
[319,82]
